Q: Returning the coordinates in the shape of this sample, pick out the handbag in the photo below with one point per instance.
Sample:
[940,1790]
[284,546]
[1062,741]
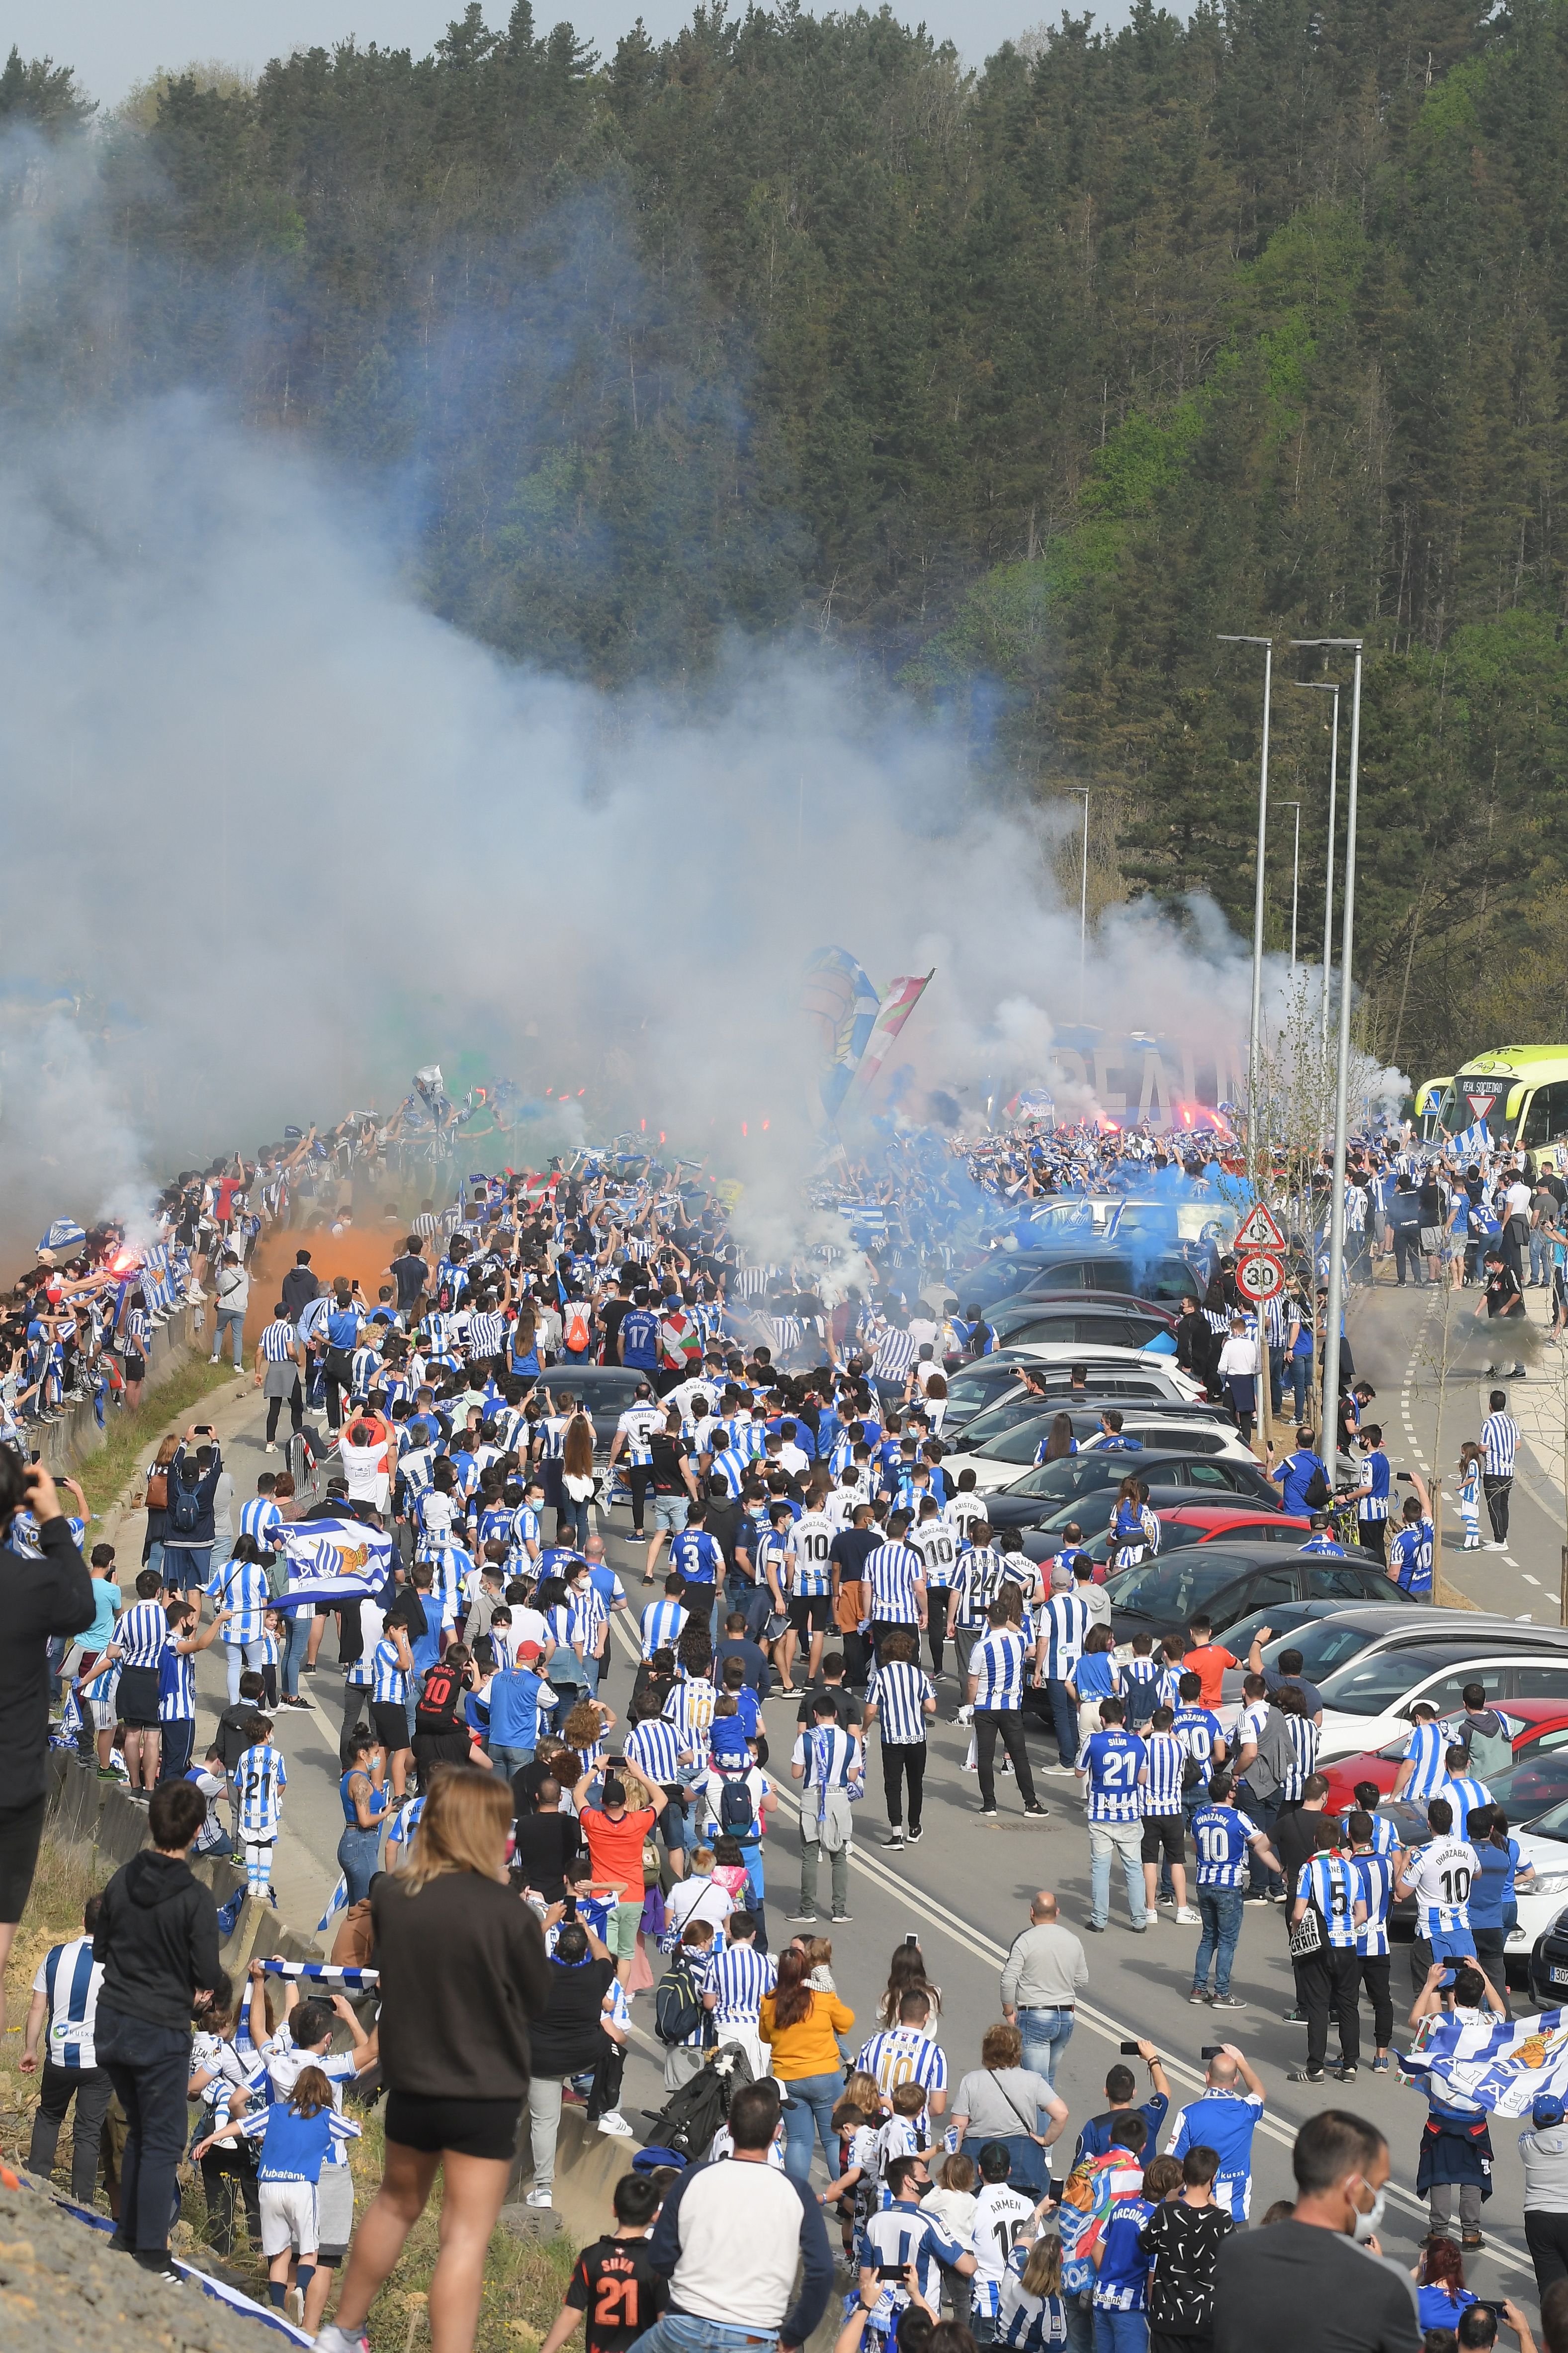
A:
[157,1490]
[1307,1938]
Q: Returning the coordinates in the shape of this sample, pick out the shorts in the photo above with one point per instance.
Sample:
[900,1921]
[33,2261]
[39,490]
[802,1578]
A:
[486,2128]
[1432,1240]
[288,2217]
[433,1749]
[334,2214]
[389,1722]
[139,1698]
[669,1514]
[21,1828]
[104,1714]
[673,1824]
[811,1612]
[135,1368]
[1452,1944]
[621,1929]
[1163,1834]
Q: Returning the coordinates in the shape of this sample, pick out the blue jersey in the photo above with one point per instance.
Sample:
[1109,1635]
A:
[1115,1763]
[697,1557]
[1411,1554]
[1225,2121]
[1221,1837]
[1122,2282]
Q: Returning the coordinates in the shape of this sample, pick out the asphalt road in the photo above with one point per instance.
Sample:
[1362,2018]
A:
[964,1890]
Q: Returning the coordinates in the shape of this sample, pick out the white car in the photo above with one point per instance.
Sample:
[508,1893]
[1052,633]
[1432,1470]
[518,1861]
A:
[1101,1355]
[1368,1701]
[1003,1460]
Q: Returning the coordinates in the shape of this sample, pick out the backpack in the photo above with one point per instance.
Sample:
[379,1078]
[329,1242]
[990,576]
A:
[678,2007]
[185,1505]
[689,2121]
[576,1327]
[736,1817]
[1317,1494]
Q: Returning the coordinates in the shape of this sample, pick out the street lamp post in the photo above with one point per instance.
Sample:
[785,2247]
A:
[1326,686]
[1083,902]
[1295,880]
[1341,1075]
[1254,1038]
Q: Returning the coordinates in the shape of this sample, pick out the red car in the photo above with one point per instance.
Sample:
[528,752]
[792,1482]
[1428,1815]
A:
[1545,1729]
[1198,1524]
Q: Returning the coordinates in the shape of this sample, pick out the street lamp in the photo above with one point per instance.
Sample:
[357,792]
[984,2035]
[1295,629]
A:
[1083,900]
[1325,686]
[1294,878]
[1342,1074]
[1254,1036]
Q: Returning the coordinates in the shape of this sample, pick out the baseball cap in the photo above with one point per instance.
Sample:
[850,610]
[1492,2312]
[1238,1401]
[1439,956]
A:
[1547,2109]
[531,1650]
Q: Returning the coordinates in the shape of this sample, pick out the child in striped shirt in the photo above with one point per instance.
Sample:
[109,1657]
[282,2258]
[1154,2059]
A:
[259,1779]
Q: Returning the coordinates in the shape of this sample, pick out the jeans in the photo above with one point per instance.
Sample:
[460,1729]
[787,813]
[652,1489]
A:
[575,1519]
[149,2067]
[1220,1911]
[241,1655]
[358,1853]
[815,2097]
[92,2090]
[299,1622]
[1120,2332]
[1064,1717]
[1299,1373]
[1046,2034]
[509,1760]
[231,1320]
[680,2332]
[1127,1839]
[1540,1257]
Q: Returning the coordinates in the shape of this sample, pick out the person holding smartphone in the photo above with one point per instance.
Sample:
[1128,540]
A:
[40,1599]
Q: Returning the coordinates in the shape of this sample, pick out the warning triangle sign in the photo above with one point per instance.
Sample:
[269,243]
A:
[1479,1104]
[1259,1233]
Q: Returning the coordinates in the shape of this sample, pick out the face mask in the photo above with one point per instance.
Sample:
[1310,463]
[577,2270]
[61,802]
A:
[1365,2226]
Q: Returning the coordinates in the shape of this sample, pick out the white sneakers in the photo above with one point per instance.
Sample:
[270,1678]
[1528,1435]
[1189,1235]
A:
[534,2198]
[333,2339]
[613,2122]
[1151,1919]
[1187,1918]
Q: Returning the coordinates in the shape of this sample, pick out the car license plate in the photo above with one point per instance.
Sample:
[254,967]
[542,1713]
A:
[1558,1976]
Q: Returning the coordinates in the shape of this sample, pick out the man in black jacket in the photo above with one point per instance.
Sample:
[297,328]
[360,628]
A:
[567,2038]
[157,1939]
[38,1598]
[299,1286]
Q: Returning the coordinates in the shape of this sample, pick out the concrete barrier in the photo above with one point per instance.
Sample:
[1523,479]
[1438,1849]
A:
[70,1439]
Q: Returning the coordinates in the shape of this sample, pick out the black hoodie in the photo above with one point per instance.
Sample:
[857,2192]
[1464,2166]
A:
[37,1598]
[157,1938]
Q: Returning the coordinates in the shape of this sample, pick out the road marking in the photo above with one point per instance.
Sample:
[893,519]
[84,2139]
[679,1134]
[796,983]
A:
[973,1940]
[1528,1579]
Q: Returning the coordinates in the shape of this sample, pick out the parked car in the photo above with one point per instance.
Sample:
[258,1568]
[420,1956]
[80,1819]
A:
[1372,1664]
[1028,1318]
[1196,1430]
[1043,1501]
[1537,1779]
[990,1380]
[1225,1582]
[1187,1522]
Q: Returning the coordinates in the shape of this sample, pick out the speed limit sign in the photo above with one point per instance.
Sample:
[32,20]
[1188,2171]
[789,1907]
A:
[1260,1277]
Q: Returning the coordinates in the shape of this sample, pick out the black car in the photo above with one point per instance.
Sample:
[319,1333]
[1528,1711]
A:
[1026,1319]
[1036,1502]
[1227,1582]
[1162,1274]
[604,1391]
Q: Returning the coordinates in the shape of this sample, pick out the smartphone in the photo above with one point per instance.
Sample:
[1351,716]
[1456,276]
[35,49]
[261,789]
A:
[1404,1475]
[891,2271]
[1057,2188]
[912,1938]
[1496,2310]
[1212,2051]
[1129,2051]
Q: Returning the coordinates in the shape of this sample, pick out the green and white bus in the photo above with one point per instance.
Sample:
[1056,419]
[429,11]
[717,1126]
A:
[1521,1092]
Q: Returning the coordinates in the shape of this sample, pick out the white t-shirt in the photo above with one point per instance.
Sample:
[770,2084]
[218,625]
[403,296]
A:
[1001,2215]
[697,1899]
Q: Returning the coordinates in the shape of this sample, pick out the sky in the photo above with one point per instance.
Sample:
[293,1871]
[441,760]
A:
[112,47]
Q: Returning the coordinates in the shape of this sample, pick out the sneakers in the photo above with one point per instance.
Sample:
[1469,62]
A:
[1095,1927]
[1380,2064]
[534,2198]
[1058,1772]
[1471,2241]
[965,1716]
[332,2340]
[987,1813]
[803,1919]
[271,1448]
[894,1837]
[1346,2074]
[616,2125]
[1305,2075]
[844,1919]
[158,2265]
[915,1837]
[1251,1898]
[1034,1807]
[1227,2002]
[1199,1994]
[1151,1919]
[1187,1918]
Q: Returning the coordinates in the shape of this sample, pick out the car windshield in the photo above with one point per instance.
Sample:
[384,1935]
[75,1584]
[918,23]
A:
[1325,1645]
[976,1390]
[1371,1686]
[1077,1472]
[1280,1619]
[1170,1589]
[997,1420]
[1535,1781]
[1554,1824]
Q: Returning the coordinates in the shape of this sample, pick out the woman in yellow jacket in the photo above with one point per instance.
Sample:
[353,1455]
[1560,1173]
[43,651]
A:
[802,2026]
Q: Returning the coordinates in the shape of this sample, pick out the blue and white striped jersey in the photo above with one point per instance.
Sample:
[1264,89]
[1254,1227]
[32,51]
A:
[1221,1837]
[997,1663]
[639,1426]
[1410,1553]
[654,1746]
[811,1540]
[980,1573]
[891,1572]
[487,1334]
[1500,1443]
[388,1678]
[364,1365]
[1025,2323]
[261,1518]
[905,2235]
[829,1756]
[689,1708]
[661,1625]
[70,1979]
[1328,1881]
[740,1976]
[1464,1792]
[240,1586]
[278,1341]
[1064,1623]
[1166,1756]
[898,1691]
[1384,1836]
[589,1613]
[903,2054]
[774,1555]
[1427,1744]
[176,1687]
[259,1779]
[1302,1734]
[1374,1876]
[1114,1763]
[141,1634]
[1374,1506]
[1198,1729]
